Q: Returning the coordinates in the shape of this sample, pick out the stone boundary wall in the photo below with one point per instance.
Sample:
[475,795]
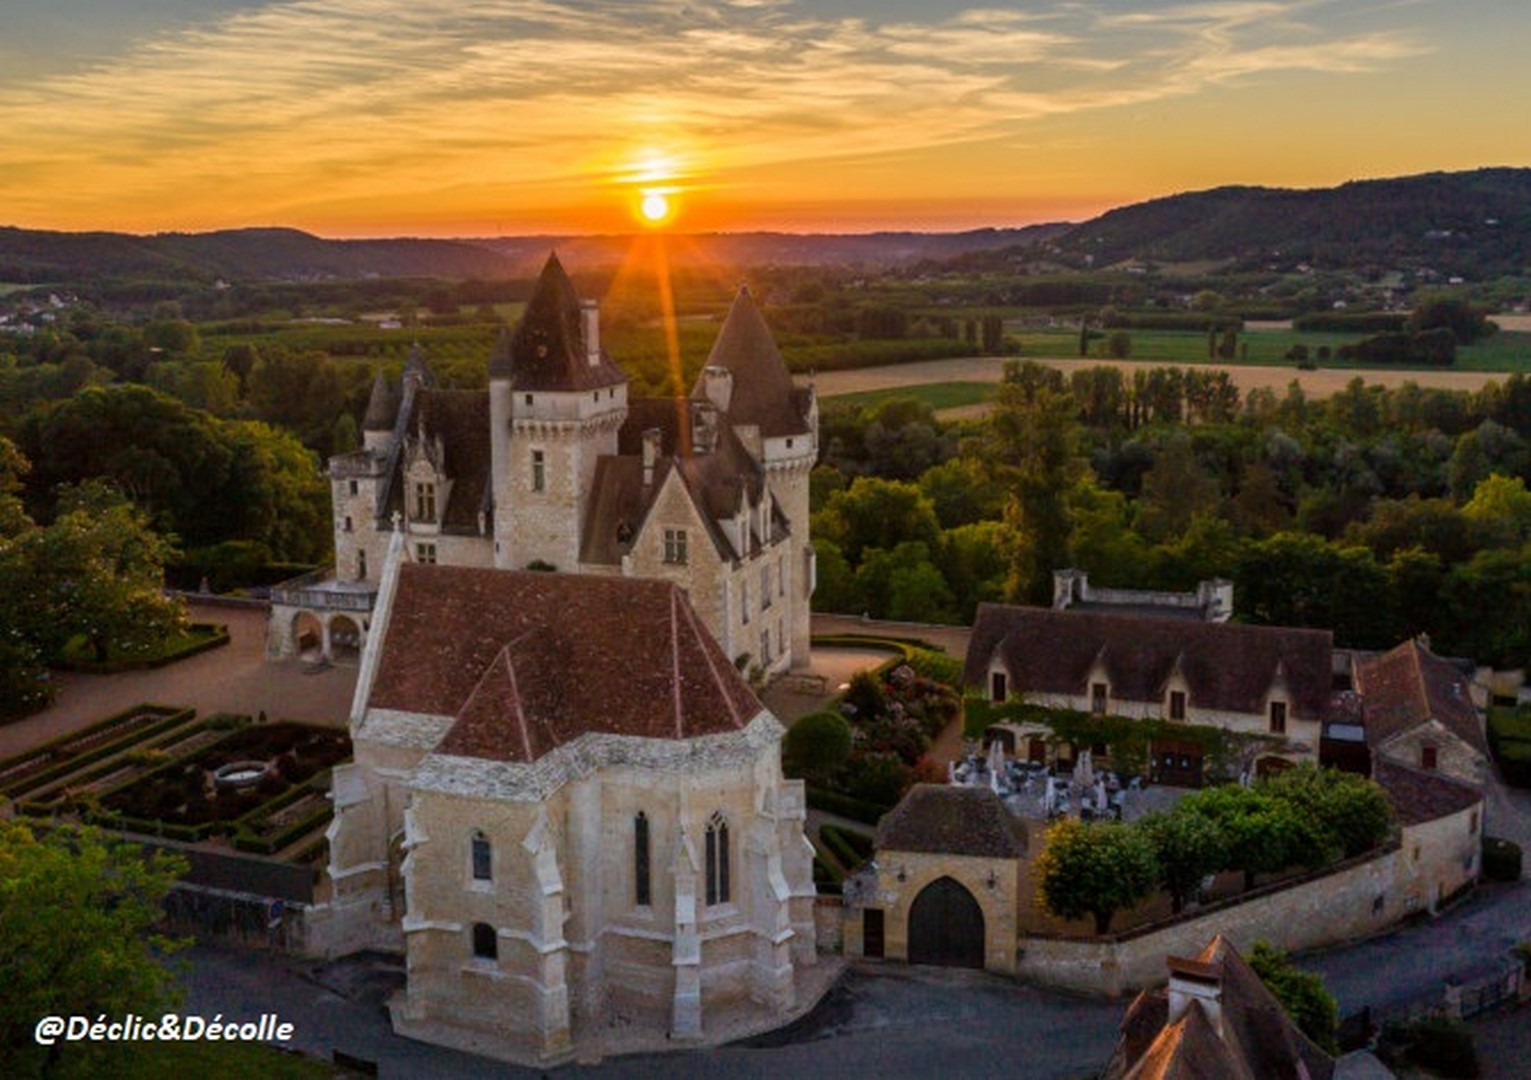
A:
[1354,900]
[829,923]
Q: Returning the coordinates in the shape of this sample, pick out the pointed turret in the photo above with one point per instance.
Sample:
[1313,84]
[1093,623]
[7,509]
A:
[417,370]
[556,345]
[382,406]
[761,393]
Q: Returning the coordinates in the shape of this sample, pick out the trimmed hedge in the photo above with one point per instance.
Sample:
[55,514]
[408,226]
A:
[173,716]
[216,635]
[1359,322]
[826,878]
[832,802]
[247,834]
[1501,859]
[851,852]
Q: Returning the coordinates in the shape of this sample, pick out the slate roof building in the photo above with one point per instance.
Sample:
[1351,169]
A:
[566,806]
[1214,1019]
[1265,680]
[554,467]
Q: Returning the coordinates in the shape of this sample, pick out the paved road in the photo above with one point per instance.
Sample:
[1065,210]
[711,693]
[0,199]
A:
[890,1022]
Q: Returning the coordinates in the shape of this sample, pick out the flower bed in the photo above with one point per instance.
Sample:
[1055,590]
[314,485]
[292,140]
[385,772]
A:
[68,753]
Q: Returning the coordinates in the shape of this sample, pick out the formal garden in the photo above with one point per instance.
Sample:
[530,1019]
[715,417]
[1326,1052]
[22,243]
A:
[153,770]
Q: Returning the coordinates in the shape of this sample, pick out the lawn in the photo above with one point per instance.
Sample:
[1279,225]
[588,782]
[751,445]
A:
[225,1060]
[1508,350]
[198,637]
[938,396]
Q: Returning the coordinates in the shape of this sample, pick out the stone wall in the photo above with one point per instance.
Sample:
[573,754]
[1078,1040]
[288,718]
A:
[1454,758]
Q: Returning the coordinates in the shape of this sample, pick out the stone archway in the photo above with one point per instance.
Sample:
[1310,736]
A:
[946,926]
[345,639]
[307,636]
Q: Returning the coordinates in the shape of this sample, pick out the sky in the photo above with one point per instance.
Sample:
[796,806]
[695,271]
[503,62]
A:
[495,117]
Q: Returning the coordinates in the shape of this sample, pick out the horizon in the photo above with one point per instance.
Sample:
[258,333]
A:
[445,119]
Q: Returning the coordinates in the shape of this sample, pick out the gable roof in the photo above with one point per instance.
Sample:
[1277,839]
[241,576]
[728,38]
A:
[952,819]
[1409,686]
[1419,795]
[547,351]
[382,406]
[1227,666]
[763,394]
[1257,1041]
[525,662]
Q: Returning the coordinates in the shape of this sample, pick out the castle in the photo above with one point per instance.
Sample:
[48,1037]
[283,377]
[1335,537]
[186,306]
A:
[554,467]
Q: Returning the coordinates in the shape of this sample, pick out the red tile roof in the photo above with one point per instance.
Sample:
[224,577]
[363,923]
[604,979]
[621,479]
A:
[527,662]
[1227,666]
[1419,795]
[1410,686]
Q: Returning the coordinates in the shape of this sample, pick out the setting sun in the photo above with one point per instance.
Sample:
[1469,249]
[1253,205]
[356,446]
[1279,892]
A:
[655,207]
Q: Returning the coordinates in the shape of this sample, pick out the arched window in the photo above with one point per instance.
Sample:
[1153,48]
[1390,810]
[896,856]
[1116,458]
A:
[717,860]
[642,896]
[483,858]
[486,944]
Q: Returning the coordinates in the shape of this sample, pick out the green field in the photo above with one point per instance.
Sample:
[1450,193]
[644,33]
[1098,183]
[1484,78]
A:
[951,395]
[1508,350]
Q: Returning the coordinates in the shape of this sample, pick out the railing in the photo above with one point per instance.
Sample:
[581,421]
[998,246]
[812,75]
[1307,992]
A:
[299,592]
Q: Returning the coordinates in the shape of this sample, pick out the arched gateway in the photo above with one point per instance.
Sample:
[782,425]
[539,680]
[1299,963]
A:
[946,926]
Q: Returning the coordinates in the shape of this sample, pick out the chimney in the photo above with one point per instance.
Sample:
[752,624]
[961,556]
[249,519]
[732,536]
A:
[704,427]
[590,313]
[718,385]
[1194,981]
[651,443]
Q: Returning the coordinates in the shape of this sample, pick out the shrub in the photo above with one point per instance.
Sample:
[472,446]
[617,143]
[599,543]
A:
[1442,1044]
[817,745]
[1501,859]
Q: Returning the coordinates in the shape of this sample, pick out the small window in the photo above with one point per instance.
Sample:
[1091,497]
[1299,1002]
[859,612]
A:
[425,501]
[348,524]
[765,587]
[1098,698]
[676,547]
[1429,757]
[1278,718]
[528,399]
[744,600]
[765,646]
[998,686]
[539,471]
[426,554]
[486,945]
[1177,704]
[641,895]
[361,566]
[483,858]
[717,860]
[781,575]
[353,487]
[789,444]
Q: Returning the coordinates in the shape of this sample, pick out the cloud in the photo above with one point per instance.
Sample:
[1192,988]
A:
[345,101]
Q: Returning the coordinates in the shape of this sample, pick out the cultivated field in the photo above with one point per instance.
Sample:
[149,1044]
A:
[989,369]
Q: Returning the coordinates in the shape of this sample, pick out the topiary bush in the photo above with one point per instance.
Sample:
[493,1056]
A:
[817,746]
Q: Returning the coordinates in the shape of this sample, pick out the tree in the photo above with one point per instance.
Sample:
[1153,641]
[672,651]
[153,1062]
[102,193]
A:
[1352,812]
[1095,869]
[1175,490]
[1188,847]
[77,918]
[298,391]
[1455,313]
[817,746]
[1264,835]
[876,513]
[1302,994]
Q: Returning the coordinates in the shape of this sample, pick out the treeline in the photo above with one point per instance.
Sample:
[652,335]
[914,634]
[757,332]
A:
[1378,514]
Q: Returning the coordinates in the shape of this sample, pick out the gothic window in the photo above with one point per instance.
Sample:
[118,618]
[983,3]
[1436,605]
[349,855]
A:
[425,501]
[675,545]
[781,575]
[486,946]
[642,896]
[483,858]
[1278,718]
[765,587]
[1098,698]
[539,471]
[717,860]
[426,554]
[998,686]
[744,599]
[361,566]
[1177,704]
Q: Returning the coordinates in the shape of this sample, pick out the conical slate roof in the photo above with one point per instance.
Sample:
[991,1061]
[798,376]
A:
[547,350]
[762,393]
[382,406]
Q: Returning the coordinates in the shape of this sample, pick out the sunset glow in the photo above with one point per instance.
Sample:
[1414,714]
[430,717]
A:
[479,117]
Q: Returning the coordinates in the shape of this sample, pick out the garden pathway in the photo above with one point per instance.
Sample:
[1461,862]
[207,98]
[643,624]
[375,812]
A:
[234,678]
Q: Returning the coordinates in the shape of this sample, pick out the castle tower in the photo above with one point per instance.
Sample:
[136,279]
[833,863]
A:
[747,381]
[556,401]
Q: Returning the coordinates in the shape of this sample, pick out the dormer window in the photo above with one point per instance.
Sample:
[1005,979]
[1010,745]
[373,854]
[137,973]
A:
[999,688]
[1177,704]
[1098,698]
[675,547]
[1278,717]
[425,501]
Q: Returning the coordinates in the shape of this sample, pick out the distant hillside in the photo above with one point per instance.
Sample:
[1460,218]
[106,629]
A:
[240,255]
[1477,224]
